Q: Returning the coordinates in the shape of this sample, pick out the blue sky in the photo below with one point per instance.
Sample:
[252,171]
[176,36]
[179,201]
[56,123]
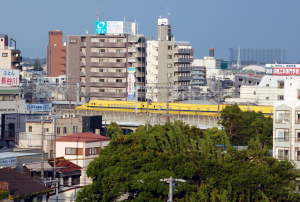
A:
[206,23]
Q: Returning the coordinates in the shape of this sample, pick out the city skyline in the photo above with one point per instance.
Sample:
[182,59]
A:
[218,24]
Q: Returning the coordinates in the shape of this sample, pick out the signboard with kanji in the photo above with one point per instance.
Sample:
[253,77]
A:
[9,77]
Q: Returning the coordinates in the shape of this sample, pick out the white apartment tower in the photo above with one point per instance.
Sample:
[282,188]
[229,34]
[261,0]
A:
[286,124]
[168,66]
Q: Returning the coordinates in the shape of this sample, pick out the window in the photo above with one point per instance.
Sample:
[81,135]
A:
[280,84]
[102,40]
[297,117]
[71,151]
[102,50]
[119,40]
[4,54]
[75,129]
[283,154]
[119,80]
[280,97]
[65,130]
[47,129]
[101,70]
[30,129]
[169,65]
[169,47]
[58,130]
[101,80]
[118,70]
[282,135]
[118,60]
[101,90]
[267,85]
[169,56]
[297,133]
[282,116]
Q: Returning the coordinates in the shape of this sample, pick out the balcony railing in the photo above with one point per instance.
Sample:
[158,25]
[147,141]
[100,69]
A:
[108,55]
[107,95]
[107,84]
[109,74]
[108,45]
[108,64]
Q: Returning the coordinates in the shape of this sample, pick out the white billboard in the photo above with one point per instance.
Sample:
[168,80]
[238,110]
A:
[131,84]
[9,77]
[115,27]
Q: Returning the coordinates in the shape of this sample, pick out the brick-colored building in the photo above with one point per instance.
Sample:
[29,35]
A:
[56,54]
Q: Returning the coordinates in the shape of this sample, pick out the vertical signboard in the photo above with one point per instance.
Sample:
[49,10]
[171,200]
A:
[9,77]
[101,27]
[131,84]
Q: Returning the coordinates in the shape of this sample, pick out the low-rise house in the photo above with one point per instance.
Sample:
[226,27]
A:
[81,149]
[21,187]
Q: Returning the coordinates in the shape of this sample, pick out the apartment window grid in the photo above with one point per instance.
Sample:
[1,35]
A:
[297,118]
[283,116]
[297,153]
[283,154]
[282,135]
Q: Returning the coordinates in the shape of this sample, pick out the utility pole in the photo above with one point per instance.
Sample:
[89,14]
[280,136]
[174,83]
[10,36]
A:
[171,181]
[42,148]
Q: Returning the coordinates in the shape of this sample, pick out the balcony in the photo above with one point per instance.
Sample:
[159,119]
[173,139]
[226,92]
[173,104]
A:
[183,69]
[109,55]
[108,95]
[185,51]
[184,78]
[108,84]
[108,45]
[282,139]
[109,74]
[108,64]
[184,60]
[139,74]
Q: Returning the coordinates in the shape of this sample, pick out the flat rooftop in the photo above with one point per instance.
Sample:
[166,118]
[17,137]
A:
[4,155]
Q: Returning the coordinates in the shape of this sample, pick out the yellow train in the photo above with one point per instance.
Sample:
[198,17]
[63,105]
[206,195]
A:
[163,108]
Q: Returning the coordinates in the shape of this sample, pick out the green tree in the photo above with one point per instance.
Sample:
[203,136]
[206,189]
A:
[113,129]
[242,126]
[132,166]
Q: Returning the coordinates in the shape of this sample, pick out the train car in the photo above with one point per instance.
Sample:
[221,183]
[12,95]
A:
[164,108]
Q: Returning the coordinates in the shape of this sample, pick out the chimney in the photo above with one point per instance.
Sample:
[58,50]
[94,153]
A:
[211,52]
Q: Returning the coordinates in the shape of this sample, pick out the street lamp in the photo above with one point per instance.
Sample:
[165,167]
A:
[171,181]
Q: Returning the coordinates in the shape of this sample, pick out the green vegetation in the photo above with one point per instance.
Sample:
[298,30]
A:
[244,126]
[4,195]
[132,165]
[113,129]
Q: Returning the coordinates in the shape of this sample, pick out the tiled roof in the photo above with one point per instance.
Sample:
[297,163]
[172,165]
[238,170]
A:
[64,165]
[19,184]
[82,137]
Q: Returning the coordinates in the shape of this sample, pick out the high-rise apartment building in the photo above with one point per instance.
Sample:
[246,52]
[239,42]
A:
[109,65]
[56,54]
[168,66]
[10,57]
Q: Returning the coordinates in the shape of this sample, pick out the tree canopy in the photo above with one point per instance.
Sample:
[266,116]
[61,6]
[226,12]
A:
[242,126]
[132,166]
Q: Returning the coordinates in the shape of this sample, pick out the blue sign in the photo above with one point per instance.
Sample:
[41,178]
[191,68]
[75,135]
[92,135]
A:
[8,162]
[39,107]
[101,27]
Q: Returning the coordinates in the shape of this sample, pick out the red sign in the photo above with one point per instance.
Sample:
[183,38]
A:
[286,71]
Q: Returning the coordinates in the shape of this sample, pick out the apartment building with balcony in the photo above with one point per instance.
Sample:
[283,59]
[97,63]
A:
[10,56]
[286,123]
[168,66]
[107,66]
